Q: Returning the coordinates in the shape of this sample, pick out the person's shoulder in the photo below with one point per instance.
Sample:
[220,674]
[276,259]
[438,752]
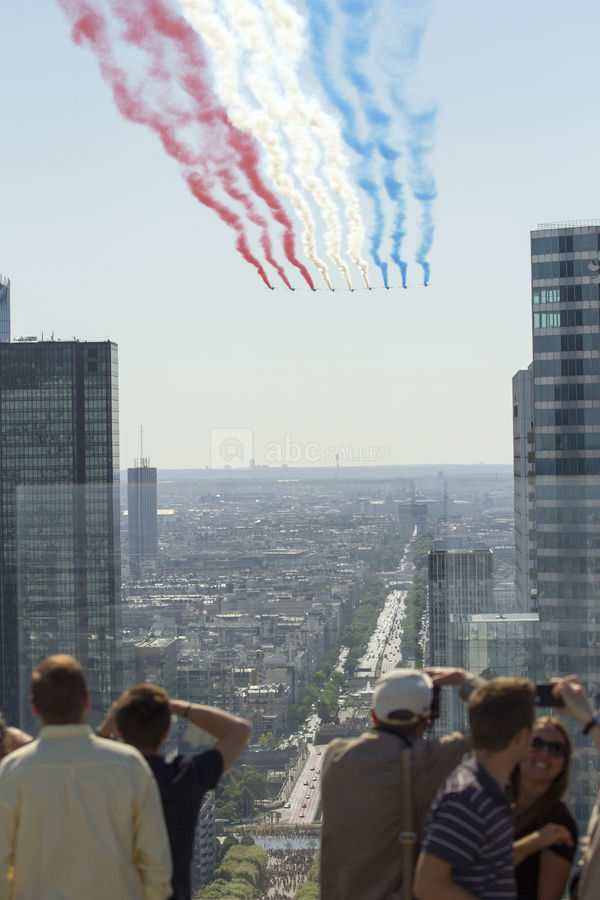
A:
[462,785]
[208,756]
[19,757]
[560,814]
[447,745]
[117,752]
[336,757]
[15,738]
[339,748]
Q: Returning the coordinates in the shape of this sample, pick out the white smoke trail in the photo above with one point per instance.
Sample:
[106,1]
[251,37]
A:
[288,27]
[203,17]
[287,109]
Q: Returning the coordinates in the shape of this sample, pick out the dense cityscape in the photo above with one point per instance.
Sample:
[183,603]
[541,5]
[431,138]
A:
[282,594]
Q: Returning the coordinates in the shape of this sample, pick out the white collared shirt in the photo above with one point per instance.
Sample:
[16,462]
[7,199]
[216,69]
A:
[81,819]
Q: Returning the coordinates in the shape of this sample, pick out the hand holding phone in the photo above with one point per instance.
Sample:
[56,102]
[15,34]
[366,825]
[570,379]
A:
[434,712]
[545,696]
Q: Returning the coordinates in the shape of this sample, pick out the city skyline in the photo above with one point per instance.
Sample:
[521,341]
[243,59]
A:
[120,246]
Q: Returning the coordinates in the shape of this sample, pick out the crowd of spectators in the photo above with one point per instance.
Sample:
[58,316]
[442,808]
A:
[479,815]
[408,816]
[288,869]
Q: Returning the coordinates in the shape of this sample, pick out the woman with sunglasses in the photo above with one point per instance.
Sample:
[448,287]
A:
[546,833]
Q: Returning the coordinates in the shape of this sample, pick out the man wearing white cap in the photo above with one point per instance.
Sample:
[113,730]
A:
[362,786]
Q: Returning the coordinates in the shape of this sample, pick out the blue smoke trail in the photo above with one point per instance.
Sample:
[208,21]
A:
[395,192]
[423,182]
[319,24]
[376,237]
[420,126]
[361,16]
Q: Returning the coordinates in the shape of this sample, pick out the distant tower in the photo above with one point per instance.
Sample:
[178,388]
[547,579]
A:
[4,308]
[141,516]
[445,499]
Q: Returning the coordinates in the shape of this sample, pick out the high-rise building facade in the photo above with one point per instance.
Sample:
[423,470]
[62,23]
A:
[141,515]
[565,488]
[204,858]
[4,308]
[60,574]
[524,474]
[500,645]
[460,585]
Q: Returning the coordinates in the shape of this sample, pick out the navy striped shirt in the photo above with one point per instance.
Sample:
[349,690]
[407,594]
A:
[471,826]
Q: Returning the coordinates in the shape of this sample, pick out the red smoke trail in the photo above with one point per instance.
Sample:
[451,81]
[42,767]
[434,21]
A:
[90,24]
[143,29]
[227,180]
[246,147]
[196,82]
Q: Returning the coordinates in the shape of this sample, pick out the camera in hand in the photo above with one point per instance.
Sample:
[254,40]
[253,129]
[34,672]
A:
[435,702]
[544,696]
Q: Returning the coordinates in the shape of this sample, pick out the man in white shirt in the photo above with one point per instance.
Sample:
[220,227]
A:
[80,817]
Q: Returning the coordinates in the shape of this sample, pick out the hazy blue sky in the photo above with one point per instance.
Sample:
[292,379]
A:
[102,239]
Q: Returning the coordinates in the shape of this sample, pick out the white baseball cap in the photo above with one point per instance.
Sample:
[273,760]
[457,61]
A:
[402,696]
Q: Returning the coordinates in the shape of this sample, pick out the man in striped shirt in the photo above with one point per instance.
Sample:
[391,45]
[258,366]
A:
[467,852]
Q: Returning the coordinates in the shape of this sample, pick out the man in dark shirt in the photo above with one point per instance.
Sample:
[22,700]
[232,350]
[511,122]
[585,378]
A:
[142,717]
[468,848]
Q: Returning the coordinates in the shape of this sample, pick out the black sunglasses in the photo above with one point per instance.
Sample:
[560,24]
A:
[554,748]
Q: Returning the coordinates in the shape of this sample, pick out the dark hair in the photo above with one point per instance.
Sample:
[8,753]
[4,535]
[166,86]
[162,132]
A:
[498,710]
[143,716]
[58,690]
[525,820]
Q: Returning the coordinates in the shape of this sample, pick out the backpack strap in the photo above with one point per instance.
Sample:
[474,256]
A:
[408,836]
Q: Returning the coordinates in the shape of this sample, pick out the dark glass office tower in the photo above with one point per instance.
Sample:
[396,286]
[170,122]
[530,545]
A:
[141,515]
[565,274]
[4,308]
[524,487]
[59,515]
[461,584]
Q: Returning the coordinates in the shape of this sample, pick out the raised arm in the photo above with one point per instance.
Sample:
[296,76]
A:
[106,729]
[232,732]
[578,705]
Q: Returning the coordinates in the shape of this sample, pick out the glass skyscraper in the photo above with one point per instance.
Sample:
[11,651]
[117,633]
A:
[563,484]
[500,645]
[60,574]
[460,585]
[141,515]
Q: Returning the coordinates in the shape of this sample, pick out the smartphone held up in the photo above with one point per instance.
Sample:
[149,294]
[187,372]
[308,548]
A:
[545,696]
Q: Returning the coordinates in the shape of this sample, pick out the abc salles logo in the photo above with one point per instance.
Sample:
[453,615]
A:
[231,447]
